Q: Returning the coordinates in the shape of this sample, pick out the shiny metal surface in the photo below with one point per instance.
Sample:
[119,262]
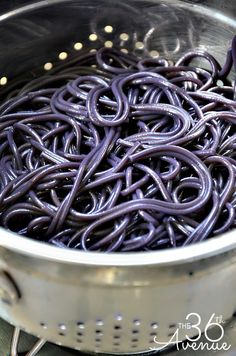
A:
[101,302]
[8,291]
[14,336]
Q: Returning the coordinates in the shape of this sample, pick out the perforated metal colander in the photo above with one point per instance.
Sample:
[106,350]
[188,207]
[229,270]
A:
[109,302]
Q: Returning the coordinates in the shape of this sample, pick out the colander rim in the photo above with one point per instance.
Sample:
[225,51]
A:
[172,256]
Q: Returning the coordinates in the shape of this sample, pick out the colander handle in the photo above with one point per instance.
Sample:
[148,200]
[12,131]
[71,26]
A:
[9,292]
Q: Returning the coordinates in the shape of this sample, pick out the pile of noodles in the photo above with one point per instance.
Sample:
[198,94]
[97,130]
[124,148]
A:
[110,152]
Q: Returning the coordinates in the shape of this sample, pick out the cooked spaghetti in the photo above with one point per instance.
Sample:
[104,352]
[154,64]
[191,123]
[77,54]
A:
[110,152]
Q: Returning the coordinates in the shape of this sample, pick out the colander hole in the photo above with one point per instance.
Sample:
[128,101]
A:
[61,333]
[171,334]
[153,334]
[108,29]
[3,81]
[118,317]
[117,327]
[79,341]
[48,66]
[78,46]
[139,45]
[93,37]
[80,324]
[136,322]
[44,325]
[151,341]
[154,325]
[154,54]
[124,50]
[134,340]
[62,326]
[116,344]
[116,336]
[98,340]
[133,346]
[220,83]
[99,322]
[171,326]
[93,66]
[63,55]
[80,333]
[191,273]
[124,36]
[135,331]
[108,44]
[99,332]
[93,50]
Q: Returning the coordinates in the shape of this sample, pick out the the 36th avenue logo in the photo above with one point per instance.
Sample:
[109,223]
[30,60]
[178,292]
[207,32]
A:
[193,322]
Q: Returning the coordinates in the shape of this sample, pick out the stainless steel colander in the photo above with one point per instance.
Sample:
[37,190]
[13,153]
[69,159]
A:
[113,303]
